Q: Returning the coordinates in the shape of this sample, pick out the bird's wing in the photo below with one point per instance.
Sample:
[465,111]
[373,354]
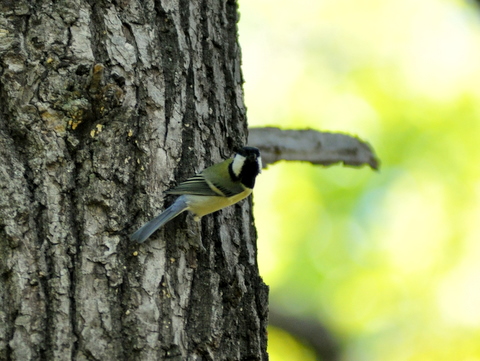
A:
[209,183]
[196,185]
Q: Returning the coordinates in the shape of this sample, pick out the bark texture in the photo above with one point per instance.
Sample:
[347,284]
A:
[104,105]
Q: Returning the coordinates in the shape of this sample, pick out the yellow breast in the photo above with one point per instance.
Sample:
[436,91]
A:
[202,205]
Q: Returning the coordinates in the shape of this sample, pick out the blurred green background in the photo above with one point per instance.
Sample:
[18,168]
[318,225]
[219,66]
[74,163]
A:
[389,261]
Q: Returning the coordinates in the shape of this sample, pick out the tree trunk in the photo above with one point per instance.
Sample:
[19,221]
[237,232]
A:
[105,105]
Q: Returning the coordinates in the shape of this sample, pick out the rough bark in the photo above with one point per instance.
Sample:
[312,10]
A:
[104,105]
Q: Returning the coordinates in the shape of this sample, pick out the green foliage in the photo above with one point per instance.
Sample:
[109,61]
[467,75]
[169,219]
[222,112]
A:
[389,261]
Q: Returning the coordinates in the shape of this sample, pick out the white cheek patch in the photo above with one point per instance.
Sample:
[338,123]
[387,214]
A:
[259,161]
[237,164]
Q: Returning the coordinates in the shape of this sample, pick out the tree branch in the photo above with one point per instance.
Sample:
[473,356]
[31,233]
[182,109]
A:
[311,146]
[309,331]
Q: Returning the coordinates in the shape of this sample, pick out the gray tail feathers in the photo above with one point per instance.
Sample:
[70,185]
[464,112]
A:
[168,214]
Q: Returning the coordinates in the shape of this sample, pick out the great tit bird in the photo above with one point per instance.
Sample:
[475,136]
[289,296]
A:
[216,187]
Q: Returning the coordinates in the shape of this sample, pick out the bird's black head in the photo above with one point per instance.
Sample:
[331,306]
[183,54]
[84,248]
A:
[246,165]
